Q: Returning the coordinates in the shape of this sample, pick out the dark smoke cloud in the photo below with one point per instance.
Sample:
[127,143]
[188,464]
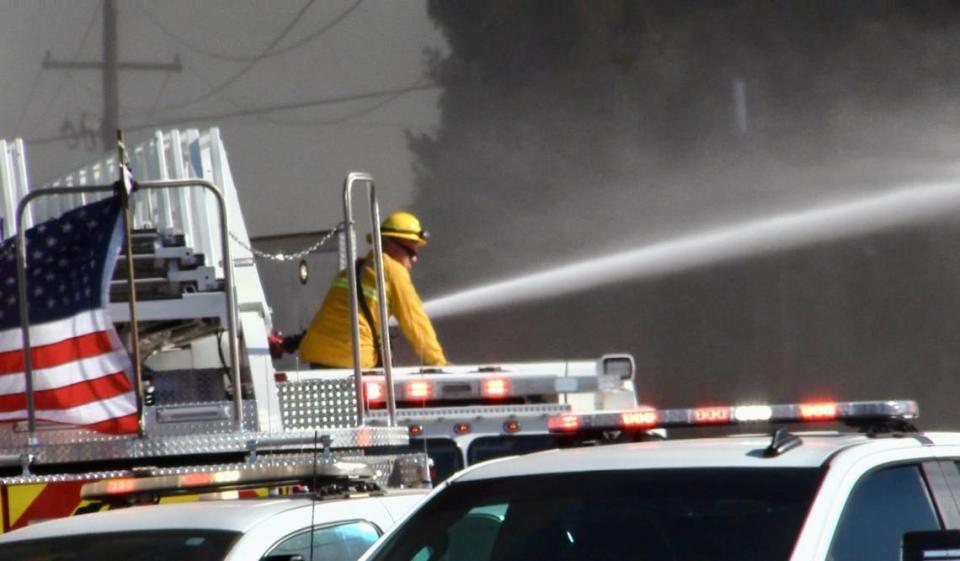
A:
[570,127]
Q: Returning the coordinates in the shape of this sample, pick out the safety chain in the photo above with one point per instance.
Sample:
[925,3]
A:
[289,256]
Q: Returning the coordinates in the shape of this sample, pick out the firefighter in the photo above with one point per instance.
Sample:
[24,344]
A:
[327,342]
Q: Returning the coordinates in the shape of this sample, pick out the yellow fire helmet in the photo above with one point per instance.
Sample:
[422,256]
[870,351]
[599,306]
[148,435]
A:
[404,226]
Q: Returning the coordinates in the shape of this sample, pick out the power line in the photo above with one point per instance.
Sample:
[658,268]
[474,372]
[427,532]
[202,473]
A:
[156,100]
[248,58]
[319,32]
[33,90]
[63,79]
[392,93]
[236,76]
[109,67]
[26,107]
[326,122]
[252,111]
[349,116]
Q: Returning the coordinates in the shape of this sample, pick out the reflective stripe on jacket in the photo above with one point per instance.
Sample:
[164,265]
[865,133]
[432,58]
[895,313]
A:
[327,340]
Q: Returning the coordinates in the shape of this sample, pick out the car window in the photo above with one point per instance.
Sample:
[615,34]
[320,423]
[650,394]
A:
[722,514]
[884,505]
[471,538]
[490,447]
[444,454]
[343,542]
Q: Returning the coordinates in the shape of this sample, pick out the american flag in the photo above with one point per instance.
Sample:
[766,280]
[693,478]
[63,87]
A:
[81,371]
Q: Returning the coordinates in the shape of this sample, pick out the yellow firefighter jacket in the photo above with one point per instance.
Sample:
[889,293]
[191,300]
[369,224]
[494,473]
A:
[327,340]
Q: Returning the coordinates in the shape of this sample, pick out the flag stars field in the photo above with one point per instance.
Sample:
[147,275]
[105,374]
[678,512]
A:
[81,372]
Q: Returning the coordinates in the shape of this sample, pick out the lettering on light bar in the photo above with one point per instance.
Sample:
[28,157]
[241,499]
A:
[712,415]
[119,486]
[639,419]
[864,411]
[818,411]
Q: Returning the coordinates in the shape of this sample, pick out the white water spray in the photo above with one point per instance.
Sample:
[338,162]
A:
[789,230]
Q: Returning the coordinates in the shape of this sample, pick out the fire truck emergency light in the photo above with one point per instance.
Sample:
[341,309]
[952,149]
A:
[168,482]
[495,388]
[373,392]
[419,390]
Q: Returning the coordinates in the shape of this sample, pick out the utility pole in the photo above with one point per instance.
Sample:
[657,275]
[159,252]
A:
[110,67]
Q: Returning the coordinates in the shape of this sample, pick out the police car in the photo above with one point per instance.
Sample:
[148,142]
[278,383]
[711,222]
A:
[870,494]
[275,529]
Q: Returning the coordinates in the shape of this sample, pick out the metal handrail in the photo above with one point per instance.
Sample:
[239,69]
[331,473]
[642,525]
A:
[349,232]
[227,277]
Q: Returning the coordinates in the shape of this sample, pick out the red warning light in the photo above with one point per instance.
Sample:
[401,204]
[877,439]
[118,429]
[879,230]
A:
[495,388]
[564,423]
[415,430]
[119,486]
[511,426]
[818,411]
[639,419]
[374,391]
[711,415]
[461,428]
[194,479]
[419,390]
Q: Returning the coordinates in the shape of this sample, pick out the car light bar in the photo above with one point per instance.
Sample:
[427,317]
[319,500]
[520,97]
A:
[497,386]
[649,418]
[240,477]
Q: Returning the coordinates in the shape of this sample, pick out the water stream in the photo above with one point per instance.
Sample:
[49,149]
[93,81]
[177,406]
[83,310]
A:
[907,205]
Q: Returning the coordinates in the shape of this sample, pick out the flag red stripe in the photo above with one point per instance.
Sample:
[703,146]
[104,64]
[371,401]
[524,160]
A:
[118,425]
[70,396]
[68,350]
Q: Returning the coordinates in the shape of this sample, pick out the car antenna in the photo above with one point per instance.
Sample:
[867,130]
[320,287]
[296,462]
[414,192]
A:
[783,441]
[313,491]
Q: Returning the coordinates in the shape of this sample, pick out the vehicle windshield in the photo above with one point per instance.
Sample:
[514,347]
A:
[658,514]
[181,545]
[490,447]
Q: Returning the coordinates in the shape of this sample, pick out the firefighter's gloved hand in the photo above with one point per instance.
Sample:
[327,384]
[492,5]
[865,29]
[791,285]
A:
[292,342]
[275,341]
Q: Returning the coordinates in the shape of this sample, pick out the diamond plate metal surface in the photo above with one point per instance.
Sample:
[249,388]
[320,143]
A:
[319,404]
[393,471]
[180,386]
[85,446]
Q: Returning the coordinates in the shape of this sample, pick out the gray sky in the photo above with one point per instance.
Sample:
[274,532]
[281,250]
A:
[290,162]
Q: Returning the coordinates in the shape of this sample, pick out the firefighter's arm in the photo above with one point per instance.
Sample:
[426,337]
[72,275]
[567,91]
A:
[406,306]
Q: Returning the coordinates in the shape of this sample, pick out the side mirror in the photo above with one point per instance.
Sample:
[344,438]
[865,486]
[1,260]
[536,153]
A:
[939,545]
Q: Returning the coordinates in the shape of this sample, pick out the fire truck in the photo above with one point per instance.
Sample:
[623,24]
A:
[214,411]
